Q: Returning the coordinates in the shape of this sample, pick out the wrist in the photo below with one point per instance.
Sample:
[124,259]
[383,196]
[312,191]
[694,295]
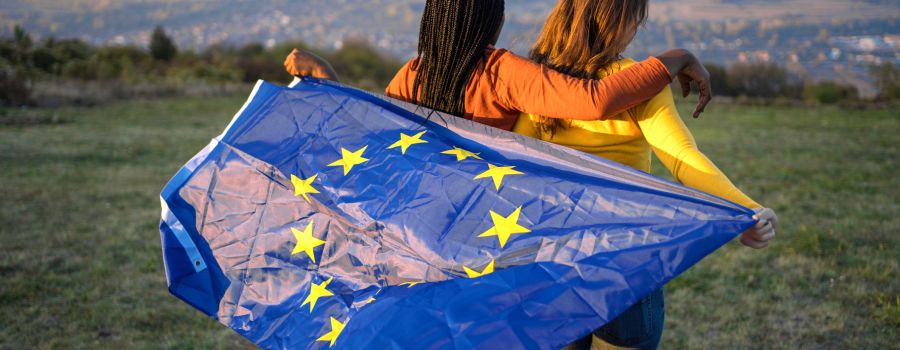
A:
[675,60]
[324,71]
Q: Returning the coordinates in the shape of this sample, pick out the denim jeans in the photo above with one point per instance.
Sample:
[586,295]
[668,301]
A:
[639,327]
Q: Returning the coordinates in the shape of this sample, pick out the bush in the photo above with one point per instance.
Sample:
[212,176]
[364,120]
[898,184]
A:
[829,92]
[887,80]
[126,63]
[78,70]
[718,75]
[254,68]
[363,66]
[766,80]
[54,54]
[15,90]
[195,70]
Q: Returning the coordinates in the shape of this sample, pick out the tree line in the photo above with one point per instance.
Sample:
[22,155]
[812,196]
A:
[24,64]
[765,80]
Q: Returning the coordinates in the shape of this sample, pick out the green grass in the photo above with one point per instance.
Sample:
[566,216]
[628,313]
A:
[80,263]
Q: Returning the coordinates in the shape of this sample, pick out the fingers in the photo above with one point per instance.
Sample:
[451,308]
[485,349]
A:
[294,64]
[762,224]
[705,94]
[768,215]
[701,104]
[685,85]
[289,61]
[767,236]
[765,232]
[752,243]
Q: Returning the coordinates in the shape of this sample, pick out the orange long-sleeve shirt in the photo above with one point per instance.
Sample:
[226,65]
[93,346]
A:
[505,85]
[628,137]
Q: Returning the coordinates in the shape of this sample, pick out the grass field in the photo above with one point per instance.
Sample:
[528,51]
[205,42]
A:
[80,261]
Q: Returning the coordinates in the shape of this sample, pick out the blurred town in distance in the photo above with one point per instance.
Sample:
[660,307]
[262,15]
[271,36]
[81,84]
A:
[816,40]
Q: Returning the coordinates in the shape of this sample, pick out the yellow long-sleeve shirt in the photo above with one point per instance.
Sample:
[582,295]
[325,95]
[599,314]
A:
[628,137]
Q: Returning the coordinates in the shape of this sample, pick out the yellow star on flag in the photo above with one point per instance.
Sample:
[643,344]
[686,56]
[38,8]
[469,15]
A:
[497,173]
[336,328]
[487,269]
[406,141]
[370,300]
[350,159]
[409,284]
[317,291]
[306,241]
[461,154]
[304,187]
[505,226]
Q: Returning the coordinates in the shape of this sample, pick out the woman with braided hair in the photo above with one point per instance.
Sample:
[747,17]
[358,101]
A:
[459,71]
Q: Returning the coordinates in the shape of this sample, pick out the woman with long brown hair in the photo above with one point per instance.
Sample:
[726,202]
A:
[586,38]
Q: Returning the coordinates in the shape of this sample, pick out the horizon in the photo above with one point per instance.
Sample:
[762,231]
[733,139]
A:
[101,22]
[822,39]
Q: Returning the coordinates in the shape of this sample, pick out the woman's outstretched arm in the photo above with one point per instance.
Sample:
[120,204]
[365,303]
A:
[676,148]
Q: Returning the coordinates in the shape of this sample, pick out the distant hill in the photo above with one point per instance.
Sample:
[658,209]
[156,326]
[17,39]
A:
[819,38]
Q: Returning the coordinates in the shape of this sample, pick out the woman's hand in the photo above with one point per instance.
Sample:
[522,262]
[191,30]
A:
[301,63]
[687,68]
[759,236]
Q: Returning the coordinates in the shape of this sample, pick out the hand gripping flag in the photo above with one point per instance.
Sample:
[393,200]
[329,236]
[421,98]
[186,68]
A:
[328,217]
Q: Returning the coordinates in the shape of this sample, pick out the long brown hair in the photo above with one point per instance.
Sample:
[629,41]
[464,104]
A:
[582,37]
[453,38]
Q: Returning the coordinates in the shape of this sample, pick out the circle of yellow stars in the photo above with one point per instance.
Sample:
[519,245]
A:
[503,226]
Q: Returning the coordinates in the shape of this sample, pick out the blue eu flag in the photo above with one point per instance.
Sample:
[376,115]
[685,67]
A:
[328,217]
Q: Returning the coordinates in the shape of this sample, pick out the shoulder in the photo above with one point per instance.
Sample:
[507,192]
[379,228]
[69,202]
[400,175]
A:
[616,66]
[498,58]
[644,110]
[504,68]
[496,53]
[400,86]
[410,67]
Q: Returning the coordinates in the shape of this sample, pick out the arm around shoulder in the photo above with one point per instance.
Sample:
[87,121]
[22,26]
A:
[533,88]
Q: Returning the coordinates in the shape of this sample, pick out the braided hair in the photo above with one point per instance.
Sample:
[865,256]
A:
[453,38]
